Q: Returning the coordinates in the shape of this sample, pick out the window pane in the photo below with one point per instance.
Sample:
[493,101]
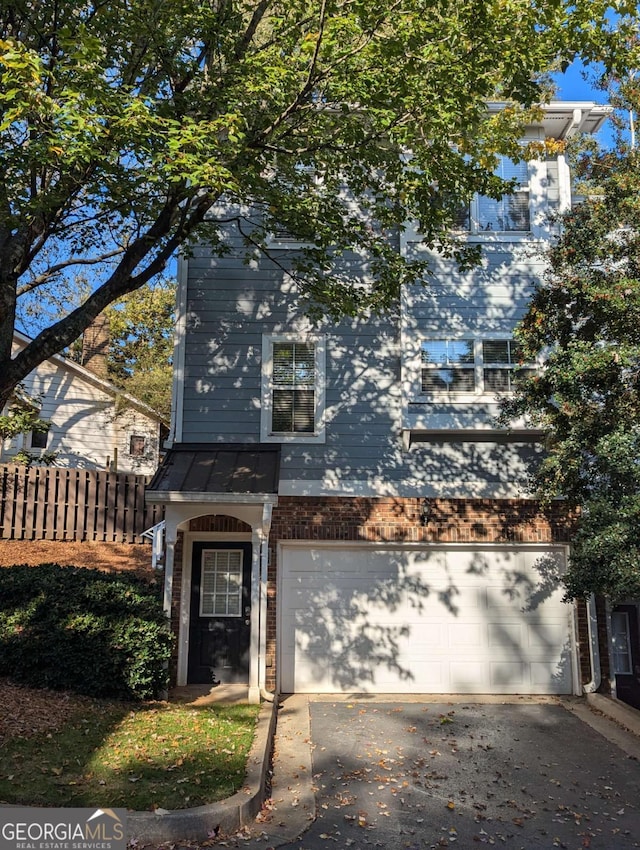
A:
[498,380]
[220,589]
[303,411]
[620,642]
[39,439]
[293,411]
[462,218]
[304,363]
[283,363]
[495,351]
[516,211]
[489,214]
[137,445]
[447,351]
[293,363]
[448,380]
[434,351]
[510,170]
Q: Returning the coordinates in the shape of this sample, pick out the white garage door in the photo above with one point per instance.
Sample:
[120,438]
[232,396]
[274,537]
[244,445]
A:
[408,620]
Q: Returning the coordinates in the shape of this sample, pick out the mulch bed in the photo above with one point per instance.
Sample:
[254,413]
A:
[25,711]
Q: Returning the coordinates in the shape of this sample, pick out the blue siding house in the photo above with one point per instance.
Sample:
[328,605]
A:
[344,513]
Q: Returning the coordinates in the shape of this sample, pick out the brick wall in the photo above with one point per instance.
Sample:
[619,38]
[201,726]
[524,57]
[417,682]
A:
[391,520]
[396,520]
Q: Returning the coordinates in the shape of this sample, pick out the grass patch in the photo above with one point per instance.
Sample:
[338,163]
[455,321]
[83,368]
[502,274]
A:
[137,756]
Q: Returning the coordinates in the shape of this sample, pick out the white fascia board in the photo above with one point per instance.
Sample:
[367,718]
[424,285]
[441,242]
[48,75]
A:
[177,496]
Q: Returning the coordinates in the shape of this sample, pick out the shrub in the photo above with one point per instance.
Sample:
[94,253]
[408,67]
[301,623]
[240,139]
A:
[94,633]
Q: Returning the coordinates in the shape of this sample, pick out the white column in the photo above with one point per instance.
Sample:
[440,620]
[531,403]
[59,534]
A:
[254,653]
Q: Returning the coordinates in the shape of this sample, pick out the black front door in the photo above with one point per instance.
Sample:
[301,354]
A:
[626,653]
[219,631]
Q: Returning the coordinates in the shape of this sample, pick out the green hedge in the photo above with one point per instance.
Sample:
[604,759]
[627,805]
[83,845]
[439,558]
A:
[91,632]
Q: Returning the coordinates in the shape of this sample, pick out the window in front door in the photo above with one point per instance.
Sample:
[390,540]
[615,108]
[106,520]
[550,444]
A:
[221,585]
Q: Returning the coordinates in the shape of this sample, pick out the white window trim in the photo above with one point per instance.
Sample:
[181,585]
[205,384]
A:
[419,396]
[279,241]
[318,435]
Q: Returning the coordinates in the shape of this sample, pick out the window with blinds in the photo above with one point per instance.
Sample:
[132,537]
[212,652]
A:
[510,213]
[293,388]
[501,360]
[463,366]
[221,583]
[448,365]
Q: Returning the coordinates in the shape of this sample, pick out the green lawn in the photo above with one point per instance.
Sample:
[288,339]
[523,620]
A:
[141,756]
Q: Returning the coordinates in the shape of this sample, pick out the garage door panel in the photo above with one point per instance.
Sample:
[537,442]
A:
[405,620]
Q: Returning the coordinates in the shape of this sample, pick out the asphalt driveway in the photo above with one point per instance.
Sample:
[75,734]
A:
[425,775]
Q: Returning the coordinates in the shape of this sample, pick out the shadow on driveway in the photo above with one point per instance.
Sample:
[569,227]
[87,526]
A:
[431,775]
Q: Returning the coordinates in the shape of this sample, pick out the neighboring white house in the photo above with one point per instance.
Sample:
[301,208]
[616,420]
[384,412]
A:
[343,511]
[94,425]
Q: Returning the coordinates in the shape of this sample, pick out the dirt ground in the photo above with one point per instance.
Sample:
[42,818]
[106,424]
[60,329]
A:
[111,557]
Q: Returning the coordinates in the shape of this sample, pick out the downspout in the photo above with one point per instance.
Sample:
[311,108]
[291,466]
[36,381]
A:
[594,648]
[267,512]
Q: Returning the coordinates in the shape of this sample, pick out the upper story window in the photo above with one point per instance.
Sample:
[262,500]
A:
[448,366]
[508,214]
[293,389]
[455,367]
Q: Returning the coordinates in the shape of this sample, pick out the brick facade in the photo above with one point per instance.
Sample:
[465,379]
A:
[396,520]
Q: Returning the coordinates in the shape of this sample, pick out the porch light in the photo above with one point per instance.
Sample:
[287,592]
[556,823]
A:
[425,512]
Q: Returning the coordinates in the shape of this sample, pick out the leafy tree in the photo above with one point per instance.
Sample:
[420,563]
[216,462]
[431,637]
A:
[141,329]
[584,321]
[123,126]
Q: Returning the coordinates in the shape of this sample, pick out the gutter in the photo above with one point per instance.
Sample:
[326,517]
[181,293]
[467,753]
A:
[594,649]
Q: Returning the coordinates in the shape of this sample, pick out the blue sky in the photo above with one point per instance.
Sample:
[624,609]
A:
[573,86]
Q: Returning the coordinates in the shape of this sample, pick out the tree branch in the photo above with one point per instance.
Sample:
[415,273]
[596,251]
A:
[45,277]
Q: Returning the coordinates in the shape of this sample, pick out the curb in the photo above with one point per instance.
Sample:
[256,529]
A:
[226,816]
[623,714]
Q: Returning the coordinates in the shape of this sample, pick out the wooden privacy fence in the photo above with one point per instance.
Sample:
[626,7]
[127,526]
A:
[47,503]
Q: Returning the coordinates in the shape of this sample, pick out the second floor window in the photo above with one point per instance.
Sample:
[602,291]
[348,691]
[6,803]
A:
[448,366]
[508,214]
[462,366]
[293,391]
[294,381]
